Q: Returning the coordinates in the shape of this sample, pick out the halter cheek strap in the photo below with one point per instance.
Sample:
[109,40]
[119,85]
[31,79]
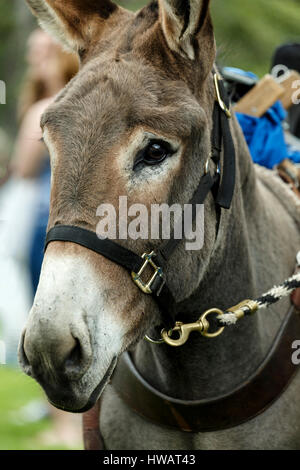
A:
[124,257]
[222,186]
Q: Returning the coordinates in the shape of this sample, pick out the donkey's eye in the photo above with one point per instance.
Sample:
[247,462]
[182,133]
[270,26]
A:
[155,153]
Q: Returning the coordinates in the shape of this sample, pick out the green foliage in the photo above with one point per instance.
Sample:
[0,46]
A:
[16,22]
[7,25]
[248,32]
[132,4]
[6,19]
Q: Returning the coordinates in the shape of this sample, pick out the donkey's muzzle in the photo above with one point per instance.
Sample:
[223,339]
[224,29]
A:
[54,357]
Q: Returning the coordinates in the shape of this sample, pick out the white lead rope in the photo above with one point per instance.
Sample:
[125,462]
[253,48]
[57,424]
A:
[231,315]
[267,299]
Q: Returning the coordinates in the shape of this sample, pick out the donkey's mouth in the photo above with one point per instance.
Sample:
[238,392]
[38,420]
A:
[95,394]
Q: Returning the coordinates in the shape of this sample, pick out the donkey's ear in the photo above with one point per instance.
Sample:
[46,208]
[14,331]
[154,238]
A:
[183,21]
[73,22]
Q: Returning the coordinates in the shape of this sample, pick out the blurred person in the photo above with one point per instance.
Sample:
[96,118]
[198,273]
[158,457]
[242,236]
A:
[27,201]
[50,69]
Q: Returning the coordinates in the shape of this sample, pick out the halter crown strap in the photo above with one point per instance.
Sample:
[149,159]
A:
[221,118]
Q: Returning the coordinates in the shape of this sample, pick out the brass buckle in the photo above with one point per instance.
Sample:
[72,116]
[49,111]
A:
[146,287]
[222,105]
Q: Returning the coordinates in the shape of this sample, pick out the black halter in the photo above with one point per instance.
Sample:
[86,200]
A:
[221,183]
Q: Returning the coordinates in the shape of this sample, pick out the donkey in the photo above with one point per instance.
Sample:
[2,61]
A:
[146,88]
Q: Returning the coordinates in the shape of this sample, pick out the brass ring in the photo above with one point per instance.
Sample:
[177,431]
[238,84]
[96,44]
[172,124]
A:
[153,341]
[206,323]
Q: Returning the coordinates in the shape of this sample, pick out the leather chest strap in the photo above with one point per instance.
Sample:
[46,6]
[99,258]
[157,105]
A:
[226,411]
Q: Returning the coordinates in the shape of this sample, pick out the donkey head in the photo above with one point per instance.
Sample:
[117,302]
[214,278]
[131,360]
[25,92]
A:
[136,121]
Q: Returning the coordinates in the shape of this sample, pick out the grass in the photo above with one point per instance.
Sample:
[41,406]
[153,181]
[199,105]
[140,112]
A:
[16,391]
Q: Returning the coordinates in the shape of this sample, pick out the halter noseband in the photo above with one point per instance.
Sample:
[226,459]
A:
[221,184]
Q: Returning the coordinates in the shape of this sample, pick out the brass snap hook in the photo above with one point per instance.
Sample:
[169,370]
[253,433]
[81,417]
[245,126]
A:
[184,330]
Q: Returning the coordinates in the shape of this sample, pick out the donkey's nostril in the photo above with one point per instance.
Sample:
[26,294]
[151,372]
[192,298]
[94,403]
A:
[23,360]
[60,353]
[75,356]
[77,362]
